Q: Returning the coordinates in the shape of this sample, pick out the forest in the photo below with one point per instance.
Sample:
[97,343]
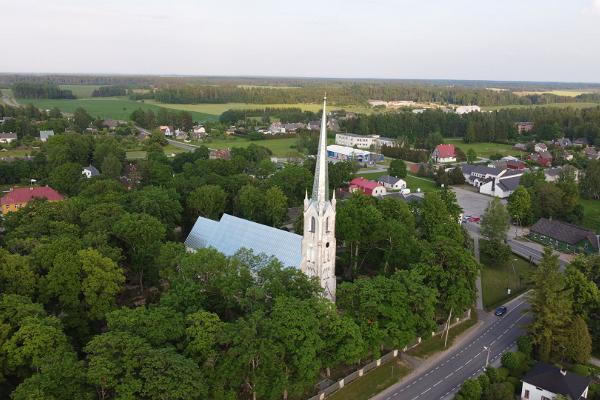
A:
[27,90]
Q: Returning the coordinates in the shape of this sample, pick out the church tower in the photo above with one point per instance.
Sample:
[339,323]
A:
[318,242]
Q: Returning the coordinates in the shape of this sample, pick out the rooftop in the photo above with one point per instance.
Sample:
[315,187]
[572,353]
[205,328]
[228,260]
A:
[551,378]
[231,234]
[364,183]
[564,232]
[445,150]
[25,194]
[349,151]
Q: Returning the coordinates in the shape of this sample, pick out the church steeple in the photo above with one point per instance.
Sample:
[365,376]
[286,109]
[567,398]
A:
[320,191]
[318,242]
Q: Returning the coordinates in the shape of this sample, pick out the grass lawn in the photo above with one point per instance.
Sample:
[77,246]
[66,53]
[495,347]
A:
[484,149]
[218,109]
[435,344]
[373,381]
[280,147]
[553,105]
[591,214]
[170,149]
[80,91]
[136,155]
[496,279]
[104,107]
[18,152]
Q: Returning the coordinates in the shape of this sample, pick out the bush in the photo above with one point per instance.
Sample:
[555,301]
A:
[525,345]
[501,391]
[470,390]
[516,363]
[503,373]
[579,369]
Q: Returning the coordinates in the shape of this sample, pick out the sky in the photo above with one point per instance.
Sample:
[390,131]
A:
[522,40]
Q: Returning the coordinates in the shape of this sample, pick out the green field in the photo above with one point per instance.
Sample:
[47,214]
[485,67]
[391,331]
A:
[18,152]
[373,382]
[553,105]
[80,91]
[136,155]
[218,109]
[495,280]
[280,147]
[566,93]
[485,149]
[591,214]
[104,107]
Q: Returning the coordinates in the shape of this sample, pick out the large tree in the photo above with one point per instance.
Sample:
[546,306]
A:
[590,183]
[208,201]
[397,168]
[519,206]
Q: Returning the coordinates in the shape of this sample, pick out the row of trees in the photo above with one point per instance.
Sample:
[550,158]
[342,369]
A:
[26,90]
[150,120]
[293,114]
[109,91]
[497,126]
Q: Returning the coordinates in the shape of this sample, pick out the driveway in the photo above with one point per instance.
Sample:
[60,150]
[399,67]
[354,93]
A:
[472,203]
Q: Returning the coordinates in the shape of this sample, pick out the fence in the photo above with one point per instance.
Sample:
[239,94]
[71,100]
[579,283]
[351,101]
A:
[380,361]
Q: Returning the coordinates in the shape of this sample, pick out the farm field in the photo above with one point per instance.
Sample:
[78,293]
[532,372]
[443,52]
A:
[591,214]
[553,105]
[80,91]
[280,147]
[566,93]
[218,109]
[104,107]
[485,149]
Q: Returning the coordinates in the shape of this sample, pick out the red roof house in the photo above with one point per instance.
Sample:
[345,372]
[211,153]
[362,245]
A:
[444,153]
[367,187]
[19,197]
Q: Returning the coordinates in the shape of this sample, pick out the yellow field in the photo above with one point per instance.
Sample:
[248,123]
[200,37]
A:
[566,93]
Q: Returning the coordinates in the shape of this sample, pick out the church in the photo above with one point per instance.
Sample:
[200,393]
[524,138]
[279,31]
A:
[313,252]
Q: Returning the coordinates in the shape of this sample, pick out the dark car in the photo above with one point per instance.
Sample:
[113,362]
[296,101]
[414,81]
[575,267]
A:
[500,311]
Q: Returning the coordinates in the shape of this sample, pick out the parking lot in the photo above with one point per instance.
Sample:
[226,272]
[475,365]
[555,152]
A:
[472,203]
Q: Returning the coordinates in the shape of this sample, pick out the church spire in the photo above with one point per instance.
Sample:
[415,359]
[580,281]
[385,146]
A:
[320,191]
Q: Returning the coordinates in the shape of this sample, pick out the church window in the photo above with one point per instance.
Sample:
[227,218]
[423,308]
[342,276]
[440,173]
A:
[327,225]
[313,224]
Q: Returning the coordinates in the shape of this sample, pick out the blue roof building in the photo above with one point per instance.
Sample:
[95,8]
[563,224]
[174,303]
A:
[231,234]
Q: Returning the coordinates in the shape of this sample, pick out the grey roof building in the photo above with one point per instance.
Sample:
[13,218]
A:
[564,236]
[231,234]
[548,378]
[390,180]
[45,135]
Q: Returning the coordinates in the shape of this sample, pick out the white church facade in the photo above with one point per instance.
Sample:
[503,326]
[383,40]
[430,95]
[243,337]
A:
[314,252]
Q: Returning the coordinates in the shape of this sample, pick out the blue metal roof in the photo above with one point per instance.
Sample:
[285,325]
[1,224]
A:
[231,234]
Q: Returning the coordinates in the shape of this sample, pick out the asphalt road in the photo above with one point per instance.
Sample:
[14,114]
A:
[442,378]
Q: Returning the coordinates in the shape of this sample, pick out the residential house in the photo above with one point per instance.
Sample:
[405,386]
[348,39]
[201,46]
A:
[392,182]
[333,125]
[313,125]
[8,137]
[293,127]
[444,153]
[562,142]
[524,127]
[467,109]
[166,130]
[552,174]
[344,153]
[370,188]
[358,141]
[591,153]
[581,142]
[540,147]
[45,135]
[565,237]
[276,128]
[222,154]
[131,177]
[198,132]
[543,159]
[19,197]
[520,147]
[181,135]
[111,124]
[90,171]
[545,382]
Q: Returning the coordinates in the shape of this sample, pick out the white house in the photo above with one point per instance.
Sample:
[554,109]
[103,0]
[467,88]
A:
[391,182]
[540,147]
[493,181]
[358,141]
[90,171]
[8,137]
[45,135]
[389,142]
[467,109]
[545,382]
[444,153]
[166,130]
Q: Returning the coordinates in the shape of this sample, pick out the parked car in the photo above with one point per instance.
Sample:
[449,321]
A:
[474,219]
[500,311]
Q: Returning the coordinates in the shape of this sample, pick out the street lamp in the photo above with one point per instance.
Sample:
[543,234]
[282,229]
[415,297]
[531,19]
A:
[487,359]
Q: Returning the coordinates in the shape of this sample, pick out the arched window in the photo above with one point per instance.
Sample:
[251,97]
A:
[313,224]
[327,225]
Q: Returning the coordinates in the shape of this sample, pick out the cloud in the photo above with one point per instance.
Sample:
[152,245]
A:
[596,6]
